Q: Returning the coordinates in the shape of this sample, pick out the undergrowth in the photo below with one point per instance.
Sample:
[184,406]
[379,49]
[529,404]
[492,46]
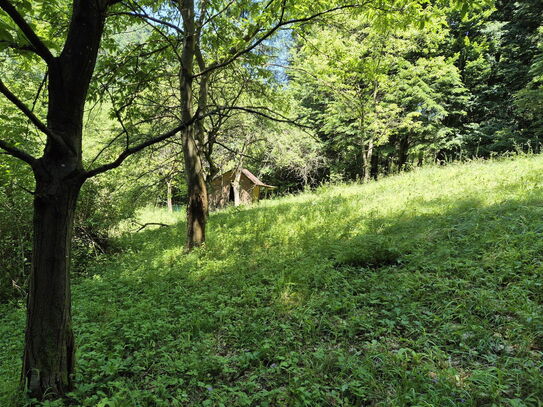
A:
[423,289]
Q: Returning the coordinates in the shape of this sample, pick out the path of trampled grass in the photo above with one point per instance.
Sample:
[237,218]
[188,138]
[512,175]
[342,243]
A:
[423,289]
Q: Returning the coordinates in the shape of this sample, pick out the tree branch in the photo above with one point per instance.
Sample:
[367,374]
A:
[258,110]
[150,18]
[23,108]
[137,148]
[18,47]
[17,153]
[28,113]
[143,226]
[281,23]
[234,151]
[39,47]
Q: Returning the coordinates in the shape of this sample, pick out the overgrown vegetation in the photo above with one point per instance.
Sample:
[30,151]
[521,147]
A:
[421,289]
[350,295]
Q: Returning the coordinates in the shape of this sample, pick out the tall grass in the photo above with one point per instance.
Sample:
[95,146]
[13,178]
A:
[422,289]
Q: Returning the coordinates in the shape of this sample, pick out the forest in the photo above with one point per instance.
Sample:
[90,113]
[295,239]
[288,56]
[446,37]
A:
[271,203]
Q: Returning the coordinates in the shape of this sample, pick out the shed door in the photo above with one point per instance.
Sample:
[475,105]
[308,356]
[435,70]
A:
[231,197]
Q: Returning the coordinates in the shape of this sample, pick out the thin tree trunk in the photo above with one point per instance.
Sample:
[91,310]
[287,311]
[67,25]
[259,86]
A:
[169,200]
[403,152]
[237,175]
[197,206]
[366,158]
[420,160]
[236,186]
[375,165]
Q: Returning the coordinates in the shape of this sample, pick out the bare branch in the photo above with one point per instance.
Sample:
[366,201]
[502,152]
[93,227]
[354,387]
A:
[39,47]
[143,226]
[149,18]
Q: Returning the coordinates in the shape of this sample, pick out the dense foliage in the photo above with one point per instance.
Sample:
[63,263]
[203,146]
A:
[460,85]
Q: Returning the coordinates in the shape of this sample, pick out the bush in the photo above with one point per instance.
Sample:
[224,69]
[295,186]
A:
[369,251]
[15,229]
[101,207]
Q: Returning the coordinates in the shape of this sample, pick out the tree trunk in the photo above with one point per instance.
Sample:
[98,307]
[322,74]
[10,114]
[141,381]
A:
[48,362]
[366,158]
[197,205]
[420,160]
[169,200]
[403,152]
[236,186]
[375,165]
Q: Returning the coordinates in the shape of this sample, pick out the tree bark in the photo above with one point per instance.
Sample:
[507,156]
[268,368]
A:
[420,160]
[403,152]
[48,362]
[236,186]
[375,165]
[169,200]
[197,205]
[366,158]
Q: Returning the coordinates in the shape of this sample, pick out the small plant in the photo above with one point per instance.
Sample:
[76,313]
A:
[367,251]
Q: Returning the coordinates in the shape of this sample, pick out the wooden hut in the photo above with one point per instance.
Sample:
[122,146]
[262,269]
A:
[224,190]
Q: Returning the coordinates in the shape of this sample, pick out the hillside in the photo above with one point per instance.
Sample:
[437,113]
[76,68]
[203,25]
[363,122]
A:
[420,289]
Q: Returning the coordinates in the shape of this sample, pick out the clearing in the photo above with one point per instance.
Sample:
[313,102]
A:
[422,289]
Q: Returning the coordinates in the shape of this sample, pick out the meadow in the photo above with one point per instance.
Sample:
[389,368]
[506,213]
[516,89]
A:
[421,289]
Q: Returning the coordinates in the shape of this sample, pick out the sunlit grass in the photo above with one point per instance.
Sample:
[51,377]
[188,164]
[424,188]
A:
[420,289]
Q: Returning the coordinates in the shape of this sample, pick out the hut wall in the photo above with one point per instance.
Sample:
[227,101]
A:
[246,190]
[219,193]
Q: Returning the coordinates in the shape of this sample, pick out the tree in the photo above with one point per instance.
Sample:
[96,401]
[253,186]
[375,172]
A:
[496,45]
[48,362]
[529,101]
[367,88]
[215,35]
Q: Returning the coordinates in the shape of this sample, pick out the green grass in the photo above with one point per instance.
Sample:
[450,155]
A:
[423,289]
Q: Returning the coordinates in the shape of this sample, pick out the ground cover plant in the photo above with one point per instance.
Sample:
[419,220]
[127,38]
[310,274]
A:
[422,289]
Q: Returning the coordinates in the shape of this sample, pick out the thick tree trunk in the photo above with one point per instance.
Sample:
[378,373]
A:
[48,362]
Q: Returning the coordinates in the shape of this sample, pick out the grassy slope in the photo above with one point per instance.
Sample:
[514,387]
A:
[422,289]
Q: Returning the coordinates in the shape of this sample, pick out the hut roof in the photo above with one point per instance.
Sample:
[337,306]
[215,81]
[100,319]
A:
[249,175]
[254,179]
